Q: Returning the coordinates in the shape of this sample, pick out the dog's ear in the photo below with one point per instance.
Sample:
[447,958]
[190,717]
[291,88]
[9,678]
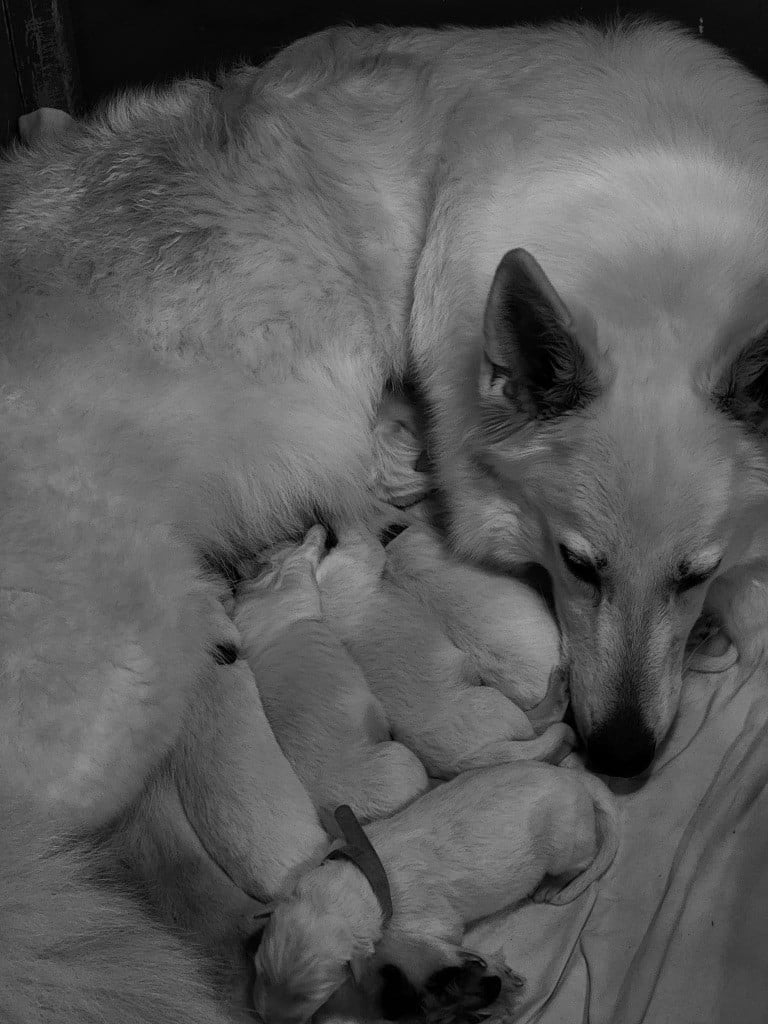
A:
[534,360]
[740,389]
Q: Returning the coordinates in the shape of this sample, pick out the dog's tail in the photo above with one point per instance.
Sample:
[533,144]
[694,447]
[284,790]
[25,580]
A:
[73,951]
[607,822]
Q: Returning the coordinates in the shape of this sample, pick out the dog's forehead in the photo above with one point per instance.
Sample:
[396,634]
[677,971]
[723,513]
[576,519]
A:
[658,481]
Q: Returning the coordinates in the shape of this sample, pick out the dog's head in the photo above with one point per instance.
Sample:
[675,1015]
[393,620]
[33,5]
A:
[302,959]
[643,480]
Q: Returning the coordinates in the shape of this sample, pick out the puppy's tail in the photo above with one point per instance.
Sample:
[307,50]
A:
[73,951]
[607,823]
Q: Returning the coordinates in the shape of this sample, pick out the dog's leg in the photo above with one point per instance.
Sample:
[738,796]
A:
[239,792]
[738,602]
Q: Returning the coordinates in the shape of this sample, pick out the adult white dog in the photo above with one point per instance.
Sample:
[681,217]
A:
[205,290]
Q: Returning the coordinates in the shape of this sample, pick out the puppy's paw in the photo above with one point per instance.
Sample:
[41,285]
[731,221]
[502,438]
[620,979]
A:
[452,995]
[551,709]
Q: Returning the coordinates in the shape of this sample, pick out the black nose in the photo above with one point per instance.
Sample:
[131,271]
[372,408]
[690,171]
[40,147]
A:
[623,746]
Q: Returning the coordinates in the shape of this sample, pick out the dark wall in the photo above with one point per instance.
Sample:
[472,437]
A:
[132,41]
[70,53]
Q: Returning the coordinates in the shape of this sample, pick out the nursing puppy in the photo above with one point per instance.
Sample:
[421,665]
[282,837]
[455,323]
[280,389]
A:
[431,690]
[471,847]
[328,723]
[503,626]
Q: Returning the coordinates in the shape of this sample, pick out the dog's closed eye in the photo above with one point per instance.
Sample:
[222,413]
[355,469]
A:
[688,580]
[580,567]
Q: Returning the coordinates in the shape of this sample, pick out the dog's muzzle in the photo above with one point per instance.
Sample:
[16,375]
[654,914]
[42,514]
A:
[621,747]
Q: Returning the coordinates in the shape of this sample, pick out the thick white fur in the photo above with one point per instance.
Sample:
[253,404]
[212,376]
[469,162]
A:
[430,688]
[267,254]
[77,951]
[536,830]
[331,728]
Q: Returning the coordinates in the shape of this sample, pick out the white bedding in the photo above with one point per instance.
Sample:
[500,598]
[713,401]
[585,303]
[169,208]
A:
[677,931]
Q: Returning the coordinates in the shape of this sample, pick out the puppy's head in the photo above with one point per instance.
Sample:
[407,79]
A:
[643,481]
[303,957]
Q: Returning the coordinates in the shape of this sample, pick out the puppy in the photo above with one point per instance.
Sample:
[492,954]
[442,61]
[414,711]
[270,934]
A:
[328,723]
[430,689]
[467,849]
[502,625]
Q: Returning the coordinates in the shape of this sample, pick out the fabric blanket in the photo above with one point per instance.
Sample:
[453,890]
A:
[677,931]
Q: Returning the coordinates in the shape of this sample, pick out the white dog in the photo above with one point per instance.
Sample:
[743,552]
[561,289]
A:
[271,252]
[431,689]
[467,849]
[328,723]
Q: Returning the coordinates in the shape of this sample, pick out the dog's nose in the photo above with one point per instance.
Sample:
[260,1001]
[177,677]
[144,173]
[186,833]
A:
[622,747]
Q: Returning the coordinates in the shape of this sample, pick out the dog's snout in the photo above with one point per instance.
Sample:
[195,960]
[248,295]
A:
[623,746]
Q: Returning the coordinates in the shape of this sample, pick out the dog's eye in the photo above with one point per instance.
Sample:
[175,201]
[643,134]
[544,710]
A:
[692,580]
[580,567]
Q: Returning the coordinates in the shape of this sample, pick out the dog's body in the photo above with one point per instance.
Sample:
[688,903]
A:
[78,950]
[267,255]
[431,689]
[522,822]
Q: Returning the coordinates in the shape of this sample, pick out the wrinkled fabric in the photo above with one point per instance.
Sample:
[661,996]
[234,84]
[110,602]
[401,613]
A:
[677,930]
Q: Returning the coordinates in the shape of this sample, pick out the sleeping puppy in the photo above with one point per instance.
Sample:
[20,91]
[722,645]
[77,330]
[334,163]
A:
[430,689]
[501,624]
[472,847]
[331,728]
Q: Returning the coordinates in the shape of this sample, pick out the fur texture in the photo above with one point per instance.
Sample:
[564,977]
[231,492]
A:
[204,290]
[77,949]
[431,689]
[536,830]
[331,728]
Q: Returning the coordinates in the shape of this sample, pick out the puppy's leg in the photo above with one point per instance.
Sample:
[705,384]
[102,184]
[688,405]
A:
[585,836]
[478,728]
[552,746]
[241,795]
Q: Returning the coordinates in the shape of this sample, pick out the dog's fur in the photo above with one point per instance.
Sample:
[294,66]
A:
[536,830]
[330,726]
[267,253]
[430,688]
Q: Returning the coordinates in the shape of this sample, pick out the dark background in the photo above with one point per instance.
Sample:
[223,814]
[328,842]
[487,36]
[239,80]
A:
[70,53]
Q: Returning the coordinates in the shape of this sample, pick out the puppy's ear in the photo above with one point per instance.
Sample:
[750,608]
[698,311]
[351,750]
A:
[535,362]
[740,388]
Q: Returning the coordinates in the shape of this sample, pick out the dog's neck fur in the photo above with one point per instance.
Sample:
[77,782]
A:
[339,889]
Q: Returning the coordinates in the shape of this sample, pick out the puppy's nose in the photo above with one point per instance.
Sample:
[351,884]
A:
[623,746]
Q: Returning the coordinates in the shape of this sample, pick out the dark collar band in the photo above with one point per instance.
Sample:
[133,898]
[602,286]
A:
[357,848]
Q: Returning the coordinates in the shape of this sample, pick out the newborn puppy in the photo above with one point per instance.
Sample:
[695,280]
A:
[467,849]
[501,624]
[431,690]
[331,728]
